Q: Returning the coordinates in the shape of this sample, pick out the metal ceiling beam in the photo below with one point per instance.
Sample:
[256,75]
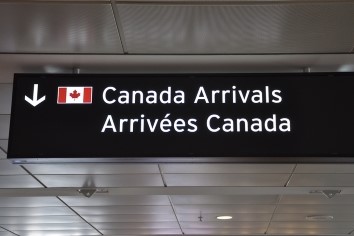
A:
[41,192]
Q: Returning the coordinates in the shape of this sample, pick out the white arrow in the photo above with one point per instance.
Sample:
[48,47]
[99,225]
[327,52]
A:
[35,101]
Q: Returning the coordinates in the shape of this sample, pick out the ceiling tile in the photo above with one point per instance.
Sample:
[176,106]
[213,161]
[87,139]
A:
[222,199]
[58,28]
[224,209]
[5,98]
[48,226]
[4,126]
[4,144]
[7,168]
[294,231]
[3,155]
[302,217]
[92,169]
[5,233]
[253,231]
[325,168]
[116,200]
[129,218]
[226,179]
[29,202]
[299,180]
[237,29]
[136,225]
[35,211]
[317,199]
[223,224]
[312,225]
[18,181]
[315,209]
[137,180]
[235,217]
[227,168]
[16,220]
[81,232]
[141,231]
[114,210]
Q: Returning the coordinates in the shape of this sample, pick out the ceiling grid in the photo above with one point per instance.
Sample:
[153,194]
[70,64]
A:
[275,209]
[6,230]
[119,26]
[147,213]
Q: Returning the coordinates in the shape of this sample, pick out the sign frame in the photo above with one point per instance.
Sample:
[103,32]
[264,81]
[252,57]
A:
[177,159]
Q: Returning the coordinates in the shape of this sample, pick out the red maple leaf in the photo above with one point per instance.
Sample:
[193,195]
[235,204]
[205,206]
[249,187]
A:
[74,94]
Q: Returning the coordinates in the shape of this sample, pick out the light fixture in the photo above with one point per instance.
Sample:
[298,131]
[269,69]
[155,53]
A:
[320,218]
[224,217]
[327,193]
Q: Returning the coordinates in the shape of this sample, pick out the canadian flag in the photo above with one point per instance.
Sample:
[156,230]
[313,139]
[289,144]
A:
[74,95]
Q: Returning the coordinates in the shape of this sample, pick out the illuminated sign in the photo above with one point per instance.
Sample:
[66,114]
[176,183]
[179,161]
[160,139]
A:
[175,116]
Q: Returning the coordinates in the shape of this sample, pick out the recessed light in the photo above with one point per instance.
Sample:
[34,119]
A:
[320,218]
[224,217]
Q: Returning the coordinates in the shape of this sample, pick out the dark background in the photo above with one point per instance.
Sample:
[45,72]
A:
[320,107]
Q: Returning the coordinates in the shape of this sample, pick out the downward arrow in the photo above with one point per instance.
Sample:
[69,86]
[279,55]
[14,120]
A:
[35,101]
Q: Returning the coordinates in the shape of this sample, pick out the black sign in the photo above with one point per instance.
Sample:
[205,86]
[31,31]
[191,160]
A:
[199,115]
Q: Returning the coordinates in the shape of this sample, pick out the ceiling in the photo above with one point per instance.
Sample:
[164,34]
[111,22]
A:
[169,199]
[211,36]
[177,27]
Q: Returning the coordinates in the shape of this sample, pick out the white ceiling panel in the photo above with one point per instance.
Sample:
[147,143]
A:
[13,220]
[302,217]
[220,199]
[5,98]
[313,225]
[238,29]
[141,232]
[58,28]
[3,145]
[48,226]
[235,217]
[116,200]
[253,231]
[227,168]
[129,218]
[7,168]
[315,209]
[92,169]
[29,202]
[136,225]
[137,180]
[324,169]
[35,211]
[299,231]
[224,209]
[223,224]
[81,232]
[18,181]
[3,155]
[114,210]
[321,180]
[5,233]
[4,126]
[226,179]
[316,199]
